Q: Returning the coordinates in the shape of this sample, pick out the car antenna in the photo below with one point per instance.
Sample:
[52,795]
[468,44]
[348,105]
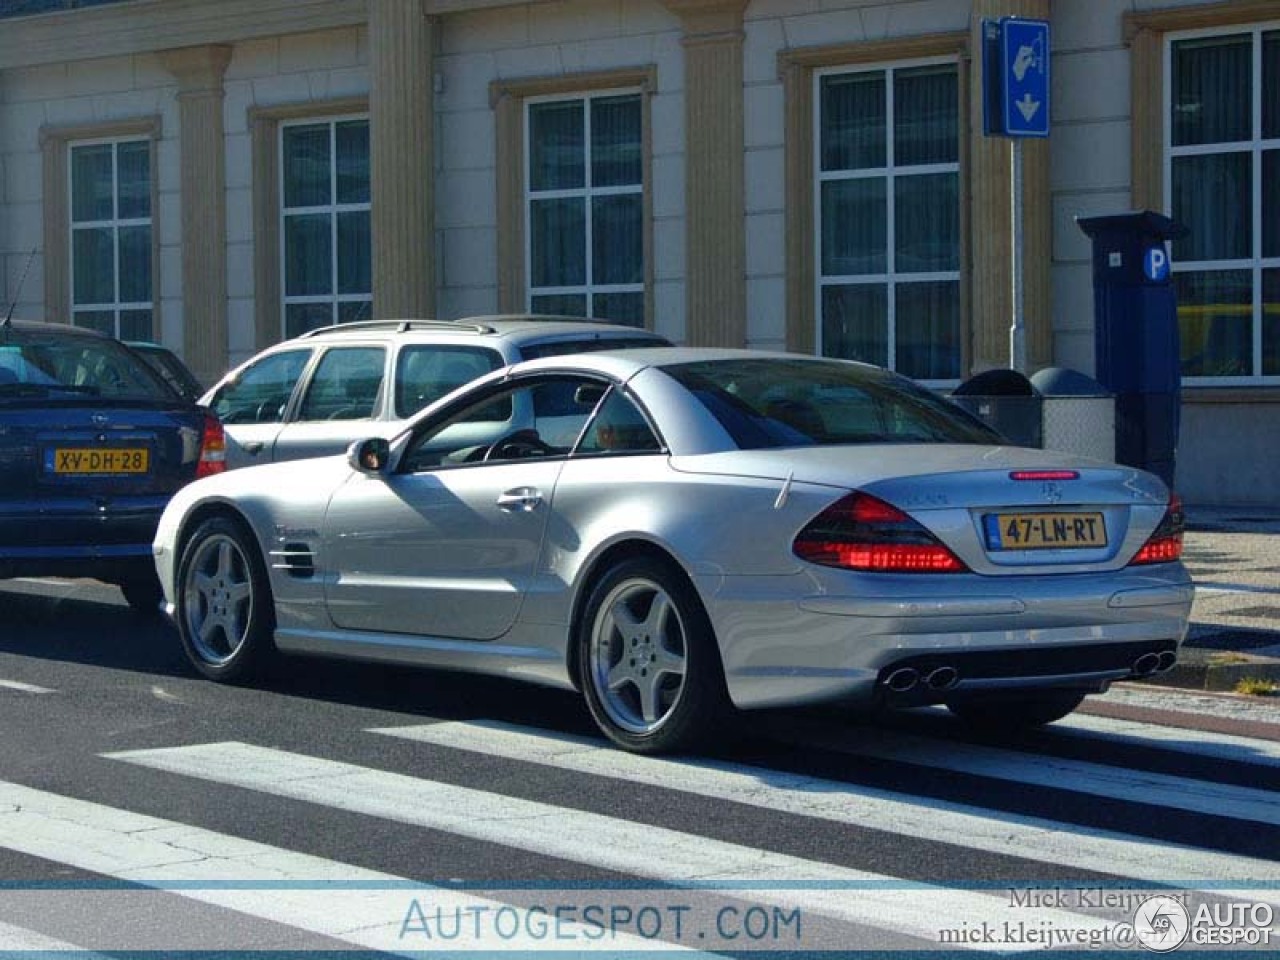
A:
[8,317]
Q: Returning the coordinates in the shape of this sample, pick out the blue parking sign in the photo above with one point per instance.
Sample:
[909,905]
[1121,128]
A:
[1024,67]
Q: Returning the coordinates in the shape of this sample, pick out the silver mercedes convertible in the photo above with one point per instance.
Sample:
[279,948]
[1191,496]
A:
[682,534]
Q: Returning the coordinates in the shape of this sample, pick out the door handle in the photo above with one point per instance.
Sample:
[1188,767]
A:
[520,499]
[253,447]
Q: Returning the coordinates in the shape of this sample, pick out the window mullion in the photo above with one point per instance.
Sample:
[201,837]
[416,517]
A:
[333,223]
[891,232]
[115,238]
[588,181]
[1256,160]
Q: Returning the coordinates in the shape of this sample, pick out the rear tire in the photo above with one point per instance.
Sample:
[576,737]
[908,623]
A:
[648,662]
[1002,713]
[143,594]
[225,611]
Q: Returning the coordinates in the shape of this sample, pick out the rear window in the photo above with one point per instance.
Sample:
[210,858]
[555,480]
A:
[48,365]
[790,403]
[558,348]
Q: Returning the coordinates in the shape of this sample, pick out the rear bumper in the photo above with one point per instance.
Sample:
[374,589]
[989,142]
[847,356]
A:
[829,636]
[109,563]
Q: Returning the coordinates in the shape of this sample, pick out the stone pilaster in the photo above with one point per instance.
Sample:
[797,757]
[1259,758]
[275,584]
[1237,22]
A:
[402,167]
[715,205]
[199,71]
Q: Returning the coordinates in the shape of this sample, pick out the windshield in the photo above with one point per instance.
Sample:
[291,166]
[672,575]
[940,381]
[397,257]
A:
[772,402]
[48,364]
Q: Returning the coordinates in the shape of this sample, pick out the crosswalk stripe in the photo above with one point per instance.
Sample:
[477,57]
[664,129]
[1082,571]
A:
[1220,746]
[927,819]
[19,939]
[635,849]
[24,687]
[340,901]
[1133,786]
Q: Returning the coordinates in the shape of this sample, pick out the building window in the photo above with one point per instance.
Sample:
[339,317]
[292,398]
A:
[584,206]
[887,216]
[1222,177]
[326,274]
[111,252]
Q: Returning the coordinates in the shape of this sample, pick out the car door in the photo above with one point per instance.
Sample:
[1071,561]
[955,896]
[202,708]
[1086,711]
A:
[252,405]
[447,543]
[341,401]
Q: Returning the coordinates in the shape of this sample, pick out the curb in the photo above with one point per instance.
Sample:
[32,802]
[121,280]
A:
[1219,675]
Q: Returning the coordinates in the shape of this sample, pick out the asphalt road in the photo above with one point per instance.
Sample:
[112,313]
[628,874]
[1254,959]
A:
[343,806]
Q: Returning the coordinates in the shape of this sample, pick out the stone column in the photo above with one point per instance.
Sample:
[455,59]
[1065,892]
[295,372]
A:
[202,155]
[990,164]
[715,206]
[402,167]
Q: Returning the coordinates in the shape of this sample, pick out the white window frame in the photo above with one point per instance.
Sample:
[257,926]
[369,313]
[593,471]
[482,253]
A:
[332,209]
[889,278]
[1254,147]
[587,192]
[114,224]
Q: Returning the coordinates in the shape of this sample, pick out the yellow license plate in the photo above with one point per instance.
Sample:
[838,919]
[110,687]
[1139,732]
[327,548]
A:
[99,460]
[1045,531]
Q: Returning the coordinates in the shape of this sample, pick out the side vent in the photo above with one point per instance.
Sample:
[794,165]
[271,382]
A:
[296,559]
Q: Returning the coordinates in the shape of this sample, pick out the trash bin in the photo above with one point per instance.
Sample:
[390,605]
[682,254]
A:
[1006,401]
[1079,413]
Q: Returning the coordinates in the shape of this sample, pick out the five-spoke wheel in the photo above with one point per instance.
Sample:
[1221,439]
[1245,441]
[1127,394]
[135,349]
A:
[224,602]
[649,666]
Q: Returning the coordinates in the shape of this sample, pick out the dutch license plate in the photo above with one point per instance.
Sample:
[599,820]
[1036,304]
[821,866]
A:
[79,461]
[1044,531]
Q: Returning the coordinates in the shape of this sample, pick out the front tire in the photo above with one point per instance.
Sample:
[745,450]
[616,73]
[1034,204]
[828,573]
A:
[648,663]
[225,612]
[1004,713]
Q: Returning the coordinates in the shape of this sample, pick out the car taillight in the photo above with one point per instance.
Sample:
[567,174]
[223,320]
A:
[1165,545]
[213,448]
[860,532]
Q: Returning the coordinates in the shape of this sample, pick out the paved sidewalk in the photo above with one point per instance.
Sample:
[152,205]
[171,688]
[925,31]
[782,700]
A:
[1234,558]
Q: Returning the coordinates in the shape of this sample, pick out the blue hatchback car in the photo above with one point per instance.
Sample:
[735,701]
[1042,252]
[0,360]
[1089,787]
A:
[92,445]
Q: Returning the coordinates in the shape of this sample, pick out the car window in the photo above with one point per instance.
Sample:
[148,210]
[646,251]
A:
[171,369]
[503,424]
[618,427]
[261,392]
[346,384]
[768,403]
[426,372]
[44,364]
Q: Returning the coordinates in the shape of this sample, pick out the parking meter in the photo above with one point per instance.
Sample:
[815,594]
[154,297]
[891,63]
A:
[1136,344]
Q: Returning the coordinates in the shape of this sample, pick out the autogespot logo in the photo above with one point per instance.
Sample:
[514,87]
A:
[1161,924]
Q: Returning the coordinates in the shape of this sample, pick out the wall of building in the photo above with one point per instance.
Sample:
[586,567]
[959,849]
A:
[1090,167]
[306,67]
[70,95]
[537,41]
[1091,174]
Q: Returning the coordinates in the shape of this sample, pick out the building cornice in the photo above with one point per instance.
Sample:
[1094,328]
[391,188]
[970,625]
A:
[1199,16]
[144,26]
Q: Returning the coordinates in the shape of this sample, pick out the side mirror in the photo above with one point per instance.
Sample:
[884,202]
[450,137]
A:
[369,456]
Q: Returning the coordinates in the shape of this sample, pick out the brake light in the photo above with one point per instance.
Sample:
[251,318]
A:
[1045,475]
[861,532]
[213,448]
[1165,545]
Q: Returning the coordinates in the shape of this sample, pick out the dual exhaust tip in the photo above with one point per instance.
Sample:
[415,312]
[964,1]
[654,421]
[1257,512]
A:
[1152,663]
[941,679]
[908,678]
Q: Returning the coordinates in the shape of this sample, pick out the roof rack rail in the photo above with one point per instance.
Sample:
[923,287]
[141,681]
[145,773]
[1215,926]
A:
[400,326]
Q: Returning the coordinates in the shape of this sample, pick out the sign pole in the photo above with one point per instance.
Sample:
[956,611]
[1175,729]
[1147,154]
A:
[1017,328]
